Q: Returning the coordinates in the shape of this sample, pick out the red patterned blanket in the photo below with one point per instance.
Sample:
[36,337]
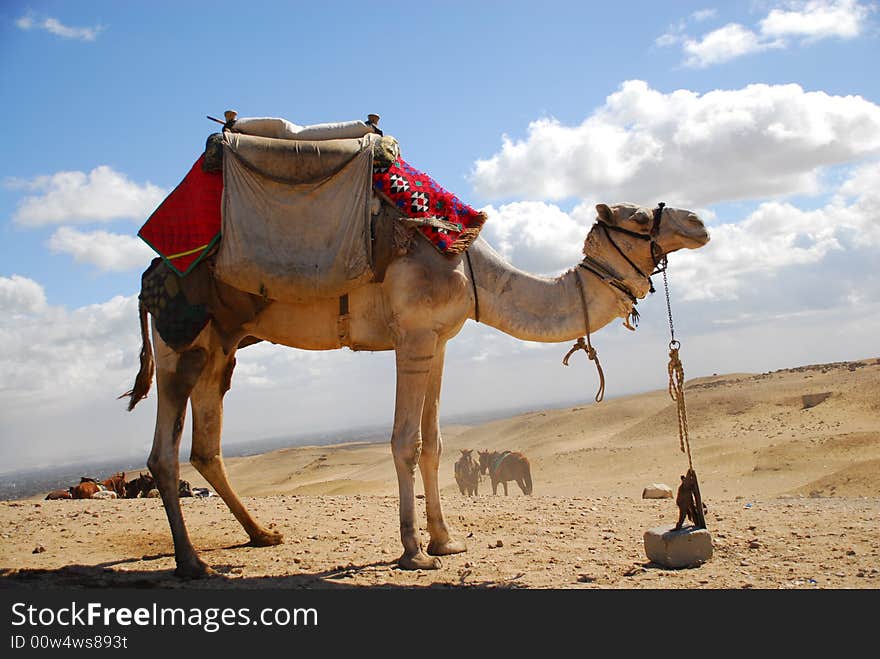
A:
[187,224]
[456,225]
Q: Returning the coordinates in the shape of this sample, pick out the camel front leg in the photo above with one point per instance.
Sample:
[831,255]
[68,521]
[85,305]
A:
[175,377]
[207,407]
[441,543]
[414,352]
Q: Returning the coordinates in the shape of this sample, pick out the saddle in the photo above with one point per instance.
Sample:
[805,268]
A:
[296,216]
[497,463]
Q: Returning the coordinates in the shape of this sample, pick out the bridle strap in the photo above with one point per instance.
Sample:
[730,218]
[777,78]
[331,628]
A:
[658,261]
[606,275]
[467,256]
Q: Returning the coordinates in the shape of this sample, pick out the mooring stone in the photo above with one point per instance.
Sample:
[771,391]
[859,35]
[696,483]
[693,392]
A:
[657,491]
[687,547]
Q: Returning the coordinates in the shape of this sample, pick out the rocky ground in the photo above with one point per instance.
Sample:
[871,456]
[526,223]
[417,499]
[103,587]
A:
[513,542]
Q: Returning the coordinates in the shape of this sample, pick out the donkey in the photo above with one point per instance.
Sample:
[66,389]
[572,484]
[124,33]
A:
[467,473]
[506,466]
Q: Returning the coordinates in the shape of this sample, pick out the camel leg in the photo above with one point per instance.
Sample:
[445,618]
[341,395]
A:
[504,483]
[175,377]
[494,487]
[414,353]
[441,544]
[207,408]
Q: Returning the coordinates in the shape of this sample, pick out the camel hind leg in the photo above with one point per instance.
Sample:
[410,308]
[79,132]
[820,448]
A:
[176,375]
[206,400]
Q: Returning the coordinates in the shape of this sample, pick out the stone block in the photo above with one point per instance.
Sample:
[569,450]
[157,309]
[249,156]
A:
[687,547]
[657,491]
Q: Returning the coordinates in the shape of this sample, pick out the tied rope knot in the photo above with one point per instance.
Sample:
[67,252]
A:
[582,344]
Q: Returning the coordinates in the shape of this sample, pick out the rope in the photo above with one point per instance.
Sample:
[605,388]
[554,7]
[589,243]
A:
[586,346]
[676,381]
[676,392]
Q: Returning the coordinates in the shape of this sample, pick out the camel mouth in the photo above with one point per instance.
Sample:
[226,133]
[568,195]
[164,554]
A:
[696,231]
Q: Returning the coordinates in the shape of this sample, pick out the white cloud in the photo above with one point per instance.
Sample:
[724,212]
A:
[102,195]
[49,354]
[20,295]
[811,21]
[685,148]
[537,237]
[777,235]
[817,19]
[107,251]
[704,14]
[56,27]
[725,43]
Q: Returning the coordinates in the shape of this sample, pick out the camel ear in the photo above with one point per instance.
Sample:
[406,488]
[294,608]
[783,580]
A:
[605,213]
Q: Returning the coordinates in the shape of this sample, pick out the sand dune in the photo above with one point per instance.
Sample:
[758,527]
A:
[789,465]
[750,434]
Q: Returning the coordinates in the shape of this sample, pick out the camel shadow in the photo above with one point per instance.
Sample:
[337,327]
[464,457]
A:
[224,577]
[103,577]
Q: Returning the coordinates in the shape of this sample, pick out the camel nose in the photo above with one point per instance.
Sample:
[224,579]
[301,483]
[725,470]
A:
[698,228]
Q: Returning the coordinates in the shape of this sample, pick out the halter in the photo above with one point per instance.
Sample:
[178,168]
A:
[657,256]
[605,274]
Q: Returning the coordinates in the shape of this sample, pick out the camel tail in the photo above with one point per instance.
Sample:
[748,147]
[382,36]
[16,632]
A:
[144,378]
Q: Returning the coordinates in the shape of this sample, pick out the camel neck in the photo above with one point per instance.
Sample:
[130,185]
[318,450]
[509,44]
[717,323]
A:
[534,308]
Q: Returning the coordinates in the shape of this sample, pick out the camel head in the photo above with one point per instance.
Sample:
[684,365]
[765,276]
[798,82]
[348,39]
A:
[675,229]
[629,242]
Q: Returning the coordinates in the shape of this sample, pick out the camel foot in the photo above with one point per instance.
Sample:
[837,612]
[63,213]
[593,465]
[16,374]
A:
[266,539]
[420,561]
[446,548]
[194,569]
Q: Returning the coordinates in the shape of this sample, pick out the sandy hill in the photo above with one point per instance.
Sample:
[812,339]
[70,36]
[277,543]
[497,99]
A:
[807,430]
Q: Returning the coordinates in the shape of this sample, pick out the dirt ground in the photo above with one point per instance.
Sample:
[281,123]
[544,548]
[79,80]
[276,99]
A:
[513,542]
[792,487]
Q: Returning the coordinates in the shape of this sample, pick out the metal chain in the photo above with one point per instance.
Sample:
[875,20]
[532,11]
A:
[673,342]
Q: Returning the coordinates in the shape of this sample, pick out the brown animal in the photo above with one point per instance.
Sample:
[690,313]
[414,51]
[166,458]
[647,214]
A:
[506,466]
[467,473]
[420,303]
[87,487]
[140,486]
[59,494]
[686,500]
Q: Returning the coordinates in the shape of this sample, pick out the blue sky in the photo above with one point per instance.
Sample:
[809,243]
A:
[762,116]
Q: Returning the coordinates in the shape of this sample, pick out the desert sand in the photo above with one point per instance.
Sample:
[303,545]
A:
[788,461]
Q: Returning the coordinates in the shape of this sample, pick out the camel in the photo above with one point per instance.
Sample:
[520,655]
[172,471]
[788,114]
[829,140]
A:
[90,488]
[422,302]
[139,487]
